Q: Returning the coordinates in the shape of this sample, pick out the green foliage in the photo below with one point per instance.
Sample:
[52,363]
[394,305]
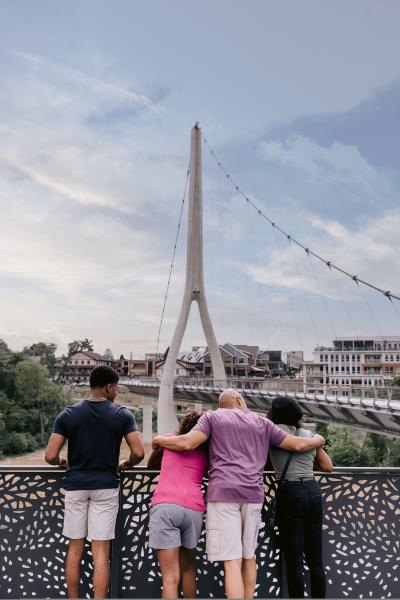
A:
[374,450]
[393,454]
[323,430]
[46,353]
[344,450]
[349,448]
[29,402]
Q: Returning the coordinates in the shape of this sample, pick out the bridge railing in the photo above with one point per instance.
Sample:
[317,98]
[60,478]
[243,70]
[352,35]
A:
[361,538]
[285,385]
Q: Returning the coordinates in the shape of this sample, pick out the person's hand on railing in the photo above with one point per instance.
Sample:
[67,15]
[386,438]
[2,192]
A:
[63,463]
[124,465]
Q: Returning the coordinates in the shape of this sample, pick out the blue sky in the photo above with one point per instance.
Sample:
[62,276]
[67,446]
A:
[299,100]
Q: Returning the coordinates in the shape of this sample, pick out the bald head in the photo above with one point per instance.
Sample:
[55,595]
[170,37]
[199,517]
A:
[230,398]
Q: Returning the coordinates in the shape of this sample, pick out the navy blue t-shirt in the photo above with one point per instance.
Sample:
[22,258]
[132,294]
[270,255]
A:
[94,430]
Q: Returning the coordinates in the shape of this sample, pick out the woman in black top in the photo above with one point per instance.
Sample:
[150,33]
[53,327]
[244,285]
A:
[299,503]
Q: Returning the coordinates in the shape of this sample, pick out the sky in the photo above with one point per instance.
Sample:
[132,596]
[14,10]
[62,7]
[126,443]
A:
[299,101]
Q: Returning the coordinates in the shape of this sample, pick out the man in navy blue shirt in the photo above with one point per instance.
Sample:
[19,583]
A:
[94,429]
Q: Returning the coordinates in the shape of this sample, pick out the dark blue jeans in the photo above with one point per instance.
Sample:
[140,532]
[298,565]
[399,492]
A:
[299,517]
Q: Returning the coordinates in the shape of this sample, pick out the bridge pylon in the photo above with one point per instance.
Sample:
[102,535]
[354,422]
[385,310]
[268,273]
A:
[194,292]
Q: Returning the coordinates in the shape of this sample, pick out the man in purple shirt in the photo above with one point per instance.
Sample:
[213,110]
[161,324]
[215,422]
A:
[239,442]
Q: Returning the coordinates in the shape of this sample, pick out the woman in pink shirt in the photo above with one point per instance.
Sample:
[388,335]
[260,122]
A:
[176,511]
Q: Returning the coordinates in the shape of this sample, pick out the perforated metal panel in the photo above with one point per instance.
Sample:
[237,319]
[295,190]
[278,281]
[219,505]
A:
[361,538]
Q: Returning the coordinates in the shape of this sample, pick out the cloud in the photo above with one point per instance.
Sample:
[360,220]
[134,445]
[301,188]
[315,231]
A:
[70,190]
[98,86]
[369,252]
[337,163]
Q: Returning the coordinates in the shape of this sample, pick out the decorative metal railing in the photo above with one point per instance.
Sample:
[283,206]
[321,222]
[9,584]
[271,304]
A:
[361,538]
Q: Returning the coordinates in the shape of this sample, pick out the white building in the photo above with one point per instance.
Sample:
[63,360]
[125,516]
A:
[350,362]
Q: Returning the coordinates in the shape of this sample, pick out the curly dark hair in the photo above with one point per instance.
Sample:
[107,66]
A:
[188,421]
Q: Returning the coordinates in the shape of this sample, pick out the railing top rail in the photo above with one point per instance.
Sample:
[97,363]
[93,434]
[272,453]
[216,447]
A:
[141,469]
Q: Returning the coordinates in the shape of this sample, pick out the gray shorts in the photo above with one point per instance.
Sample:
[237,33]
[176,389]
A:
[172,526]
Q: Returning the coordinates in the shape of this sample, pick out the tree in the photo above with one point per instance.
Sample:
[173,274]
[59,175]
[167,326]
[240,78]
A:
[393,453]
[344,450]
[39,400]
[373,451]
[5,354]
[74,347]
[30,384]
[46,353]
[324,430]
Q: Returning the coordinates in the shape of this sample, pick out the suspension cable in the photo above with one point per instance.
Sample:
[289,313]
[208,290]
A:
[325,304]
[389,295]
[305,295]
[173,260]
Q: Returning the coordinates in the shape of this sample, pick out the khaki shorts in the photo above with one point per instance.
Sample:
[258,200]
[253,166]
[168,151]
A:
[91,513]
[232,530]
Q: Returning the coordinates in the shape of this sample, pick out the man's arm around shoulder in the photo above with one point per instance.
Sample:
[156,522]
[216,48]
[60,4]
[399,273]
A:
[296,443]
[181,443]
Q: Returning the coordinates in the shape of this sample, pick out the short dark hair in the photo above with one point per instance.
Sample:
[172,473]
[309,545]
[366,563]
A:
[102,376]
[188,421]
[285,411]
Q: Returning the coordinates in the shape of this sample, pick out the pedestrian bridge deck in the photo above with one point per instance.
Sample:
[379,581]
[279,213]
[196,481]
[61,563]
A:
[361,537]
[368,408]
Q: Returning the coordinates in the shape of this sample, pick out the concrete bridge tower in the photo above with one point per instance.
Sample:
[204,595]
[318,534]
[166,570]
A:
[194,292]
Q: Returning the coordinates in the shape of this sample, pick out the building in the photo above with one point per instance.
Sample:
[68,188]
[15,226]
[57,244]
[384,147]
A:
[133,367]
[272,363]
[294,359]
[239,361]
[81,364]
[350,362]
[182,369]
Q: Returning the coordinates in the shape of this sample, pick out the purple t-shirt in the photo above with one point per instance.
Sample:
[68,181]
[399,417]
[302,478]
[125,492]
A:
[239,442]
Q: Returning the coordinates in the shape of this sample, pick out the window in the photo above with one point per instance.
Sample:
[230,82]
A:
[321,358]
[76,362]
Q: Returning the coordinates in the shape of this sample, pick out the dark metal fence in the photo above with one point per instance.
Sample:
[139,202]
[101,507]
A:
[361,538]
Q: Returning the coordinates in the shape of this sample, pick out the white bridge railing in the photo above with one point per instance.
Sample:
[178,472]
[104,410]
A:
[380,399]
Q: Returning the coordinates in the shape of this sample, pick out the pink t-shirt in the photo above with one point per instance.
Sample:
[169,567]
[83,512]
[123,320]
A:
[180,479]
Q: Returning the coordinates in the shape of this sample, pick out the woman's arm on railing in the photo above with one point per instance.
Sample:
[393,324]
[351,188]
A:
[322,461]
